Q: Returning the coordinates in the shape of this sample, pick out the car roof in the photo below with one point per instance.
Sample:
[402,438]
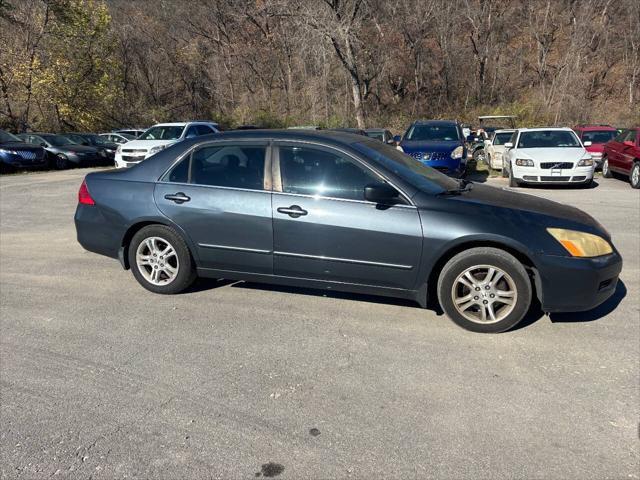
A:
[505,130]
[540,129]
[333,136]
[376,129]
[435,122]
[588,128]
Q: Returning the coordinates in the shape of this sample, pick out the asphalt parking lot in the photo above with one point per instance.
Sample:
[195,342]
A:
[102,379]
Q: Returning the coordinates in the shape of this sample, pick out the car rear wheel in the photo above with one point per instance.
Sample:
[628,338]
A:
[606,171]
[485,290]
[160,260]
[634,176]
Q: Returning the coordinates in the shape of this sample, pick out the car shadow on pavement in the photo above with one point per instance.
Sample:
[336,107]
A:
[597,313]
[326,293]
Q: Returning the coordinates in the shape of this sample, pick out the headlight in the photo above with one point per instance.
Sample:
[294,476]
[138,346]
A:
[581,244]
[12,152]
[585,162]
[155,149]
[457,152]
[119,149]
[524,162]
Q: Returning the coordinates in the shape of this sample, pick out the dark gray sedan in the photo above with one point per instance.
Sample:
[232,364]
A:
[332,210]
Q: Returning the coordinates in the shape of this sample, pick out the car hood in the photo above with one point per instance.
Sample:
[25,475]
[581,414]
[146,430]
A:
[552,154]
[595,148]
[410,146]
[76,148]
[18,146]
[146,144]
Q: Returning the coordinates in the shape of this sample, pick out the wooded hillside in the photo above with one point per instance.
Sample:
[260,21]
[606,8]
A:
[95,65]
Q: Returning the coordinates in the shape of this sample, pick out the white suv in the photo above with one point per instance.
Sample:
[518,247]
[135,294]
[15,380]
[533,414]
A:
[547,155]
[159,137]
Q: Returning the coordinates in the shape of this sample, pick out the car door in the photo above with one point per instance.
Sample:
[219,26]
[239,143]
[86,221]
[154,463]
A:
[614,150]
[628,146]
[219,195]
[323,229]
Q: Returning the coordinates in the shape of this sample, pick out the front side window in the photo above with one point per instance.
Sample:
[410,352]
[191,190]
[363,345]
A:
[314,171]
[548,139]
[170,132]
[235,166]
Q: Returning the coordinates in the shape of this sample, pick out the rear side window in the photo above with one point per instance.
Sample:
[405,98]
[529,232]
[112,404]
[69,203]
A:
[314,171]
[235,166]
[203,130]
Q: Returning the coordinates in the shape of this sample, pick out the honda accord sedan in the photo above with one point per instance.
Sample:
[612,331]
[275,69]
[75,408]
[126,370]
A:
[337,211]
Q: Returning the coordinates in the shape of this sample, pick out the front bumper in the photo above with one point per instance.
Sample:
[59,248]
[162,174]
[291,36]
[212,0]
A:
[569,284]
[449,166]
[127,161]
[551,176]
[16,161]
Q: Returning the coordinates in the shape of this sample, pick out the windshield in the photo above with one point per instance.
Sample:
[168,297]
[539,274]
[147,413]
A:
[432,133]
[548,139]
[97,139]
[57,140]
[502,138]
[598,136]
[162,133]
[376,135]
[414,172]
[7,137]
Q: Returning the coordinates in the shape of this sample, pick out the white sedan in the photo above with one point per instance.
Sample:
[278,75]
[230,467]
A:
[159,137]
[494,147]
[547,155]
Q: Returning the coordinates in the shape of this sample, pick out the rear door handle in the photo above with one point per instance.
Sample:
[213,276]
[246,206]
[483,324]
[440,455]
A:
[177,197]
[294,211]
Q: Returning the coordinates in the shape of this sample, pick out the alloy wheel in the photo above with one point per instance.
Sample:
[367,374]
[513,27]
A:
[157,261]
[484,294]
[635,176]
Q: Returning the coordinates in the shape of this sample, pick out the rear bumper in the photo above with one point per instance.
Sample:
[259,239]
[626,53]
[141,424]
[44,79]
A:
[95,233]
[567,284]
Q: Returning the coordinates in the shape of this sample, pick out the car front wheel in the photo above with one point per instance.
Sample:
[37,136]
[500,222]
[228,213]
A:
[512,180]
[634,176]
[606,171]
[160,260]
[485,290]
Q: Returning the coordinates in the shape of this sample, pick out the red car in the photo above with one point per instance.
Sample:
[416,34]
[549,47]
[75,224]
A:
[598,135]
[622,155]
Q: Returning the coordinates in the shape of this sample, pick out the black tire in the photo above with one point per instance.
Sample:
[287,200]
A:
[606,171]
[504,172]
[634,175]
[186,272]
[587,184]
[60,162]
[512,181]
[497,259]
[479,155]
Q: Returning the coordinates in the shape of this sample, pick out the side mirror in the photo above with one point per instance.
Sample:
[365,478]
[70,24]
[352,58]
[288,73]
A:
[380,193]
[508,145]
[397,139]
[628,142]
[587,143]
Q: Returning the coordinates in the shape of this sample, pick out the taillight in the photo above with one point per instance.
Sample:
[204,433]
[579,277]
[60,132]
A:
[84,196]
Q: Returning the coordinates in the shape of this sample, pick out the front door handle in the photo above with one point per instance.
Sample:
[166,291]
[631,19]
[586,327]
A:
[177,197]
[294,211]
